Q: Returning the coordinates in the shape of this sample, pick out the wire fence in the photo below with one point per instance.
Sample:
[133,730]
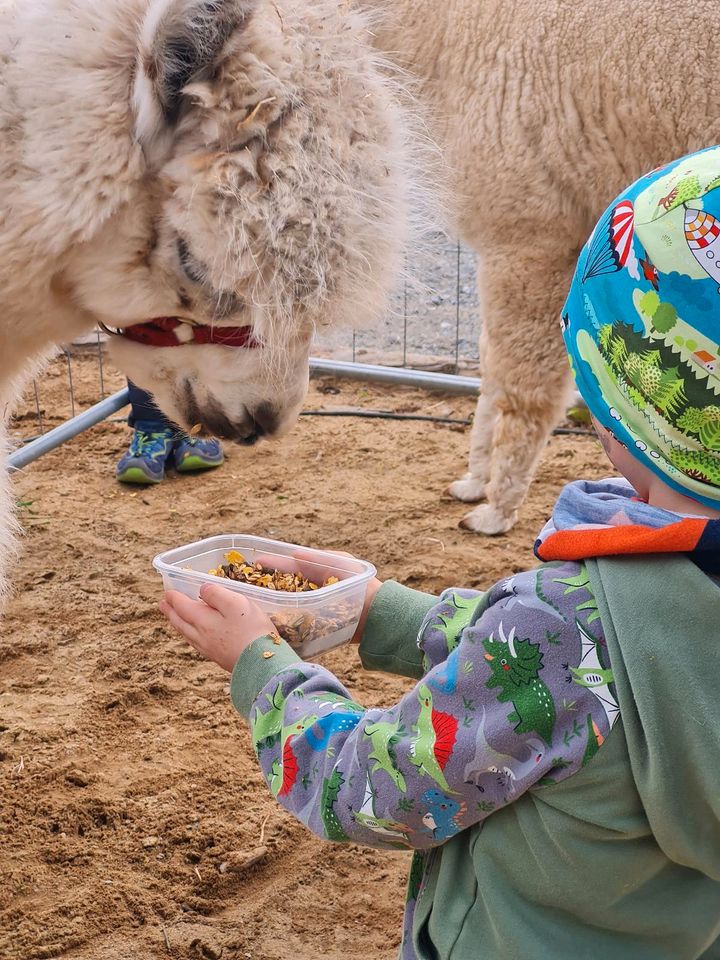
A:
[432,321]
[431,325]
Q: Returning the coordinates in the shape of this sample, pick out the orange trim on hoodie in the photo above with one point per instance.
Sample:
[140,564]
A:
[680,537]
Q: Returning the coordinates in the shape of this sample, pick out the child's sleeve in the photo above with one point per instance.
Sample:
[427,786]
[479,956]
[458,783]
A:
[504,704]
[390,641]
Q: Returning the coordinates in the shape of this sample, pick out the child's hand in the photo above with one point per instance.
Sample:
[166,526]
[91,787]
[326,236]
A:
[290,564]
[372,588]
[220,625]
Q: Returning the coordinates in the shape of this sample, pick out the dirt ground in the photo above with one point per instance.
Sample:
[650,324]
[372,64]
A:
[131,806]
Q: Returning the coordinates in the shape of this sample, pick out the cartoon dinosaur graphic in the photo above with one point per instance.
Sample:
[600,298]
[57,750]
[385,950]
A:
[587,677]
[330,789]
[443,815]
[275,777]
[417,870]
[283,773]
[594,740]
[515,665]
[384,736]
[538,601]
[334,701]
[462,615]
[266,727]
[318,735]
[431,749]
[581,582]
[396,833]
[489,760]
[445,680]
[591,674]
[451,625]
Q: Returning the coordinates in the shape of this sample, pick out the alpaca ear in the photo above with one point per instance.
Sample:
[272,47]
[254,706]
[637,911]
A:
[180,42]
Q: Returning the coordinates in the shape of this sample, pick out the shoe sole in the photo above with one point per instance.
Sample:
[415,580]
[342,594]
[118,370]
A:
[136,475]
[192,464]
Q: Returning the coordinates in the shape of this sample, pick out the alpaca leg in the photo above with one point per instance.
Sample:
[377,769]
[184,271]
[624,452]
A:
[519,440]
[472,486]
[524,369]
[8,524]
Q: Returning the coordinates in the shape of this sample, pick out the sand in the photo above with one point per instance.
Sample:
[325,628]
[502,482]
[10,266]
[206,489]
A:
[134,821]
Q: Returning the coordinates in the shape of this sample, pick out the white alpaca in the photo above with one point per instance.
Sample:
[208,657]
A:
[546,111]
[245,164]
[237,164]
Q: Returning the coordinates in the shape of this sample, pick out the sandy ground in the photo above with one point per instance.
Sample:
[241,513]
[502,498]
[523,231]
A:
[131,807]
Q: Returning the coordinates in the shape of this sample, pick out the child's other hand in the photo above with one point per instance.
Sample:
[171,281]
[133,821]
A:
[372,588]
[220,625]
[310,557]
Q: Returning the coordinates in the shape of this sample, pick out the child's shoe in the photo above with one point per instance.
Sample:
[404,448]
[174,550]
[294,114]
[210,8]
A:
[195,453]
[150,447]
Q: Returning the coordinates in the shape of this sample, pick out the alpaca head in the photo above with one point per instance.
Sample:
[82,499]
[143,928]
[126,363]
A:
[274,196]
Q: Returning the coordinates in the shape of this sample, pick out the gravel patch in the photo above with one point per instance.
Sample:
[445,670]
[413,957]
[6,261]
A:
[433,317]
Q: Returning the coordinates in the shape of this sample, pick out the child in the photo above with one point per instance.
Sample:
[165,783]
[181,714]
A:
[155,439]
[556,768]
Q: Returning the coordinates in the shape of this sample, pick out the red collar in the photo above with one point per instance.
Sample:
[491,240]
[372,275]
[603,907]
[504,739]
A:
[171,332]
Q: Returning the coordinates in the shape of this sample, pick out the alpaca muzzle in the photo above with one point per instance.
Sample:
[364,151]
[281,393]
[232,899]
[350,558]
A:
[213,420]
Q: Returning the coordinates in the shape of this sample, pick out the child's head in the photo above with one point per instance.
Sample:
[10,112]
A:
[642,328]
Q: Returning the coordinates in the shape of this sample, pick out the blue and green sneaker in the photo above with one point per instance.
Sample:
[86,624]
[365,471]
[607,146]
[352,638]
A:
[150,447]
[195,453]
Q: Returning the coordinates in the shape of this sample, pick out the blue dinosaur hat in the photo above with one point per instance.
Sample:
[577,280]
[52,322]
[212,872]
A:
[641,323]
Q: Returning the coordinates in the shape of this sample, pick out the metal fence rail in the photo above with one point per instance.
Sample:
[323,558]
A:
[67,430]
[449,383]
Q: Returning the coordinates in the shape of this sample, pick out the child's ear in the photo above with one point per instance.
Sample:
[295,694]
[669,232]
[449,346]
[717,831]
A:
[180,42]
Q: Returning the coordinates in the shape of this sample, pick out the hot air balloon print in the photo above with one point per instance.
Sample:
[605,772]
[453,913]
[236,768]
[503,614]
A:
[612,246]
[702,234]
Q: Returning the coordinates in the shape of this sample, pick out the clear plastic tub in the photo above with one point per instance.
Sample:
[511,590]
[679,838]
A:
[313,621]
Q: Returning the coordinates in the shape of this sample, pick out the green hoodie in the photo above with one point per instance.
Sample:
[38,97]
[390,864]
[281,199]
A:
[622,859]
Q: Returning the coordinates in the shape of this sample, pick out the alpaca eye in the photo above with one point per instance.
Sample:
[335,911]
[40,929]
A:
[227,304]
[191,268]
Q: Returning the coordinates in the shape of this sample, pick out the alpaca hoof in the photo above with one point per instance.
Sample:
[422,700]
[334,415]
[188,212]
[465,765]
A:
[488,520]
[470,489]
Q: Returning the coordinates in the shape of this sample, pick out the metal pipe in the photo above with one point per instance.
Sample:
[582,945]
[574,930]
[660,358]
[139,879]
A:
[374,373]
[67,430]
[401,376]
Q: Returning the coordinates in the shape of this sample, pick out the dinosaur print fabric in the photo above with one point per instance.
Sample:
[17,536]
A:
[517,692]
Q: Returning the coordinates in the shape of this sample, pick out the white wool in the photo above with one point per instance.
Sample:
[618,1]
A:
[545,112]
[277,191]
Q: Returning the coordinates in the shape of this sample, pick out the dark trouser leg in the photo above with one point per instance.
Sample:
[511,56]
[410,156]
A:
[142,407]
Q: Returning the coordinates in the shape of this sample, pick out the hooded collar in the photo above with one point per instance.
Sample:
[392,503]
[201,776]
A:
[605,518]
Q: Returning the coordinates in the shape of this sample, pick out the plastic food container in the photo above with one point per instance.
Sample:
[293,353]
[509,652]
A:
[313,621]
